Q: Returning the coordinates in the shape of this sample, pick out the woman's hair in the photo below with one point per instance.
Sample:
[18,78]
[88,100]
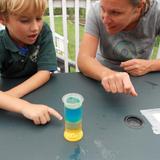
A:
[137,2]
[8,7]
[146,5]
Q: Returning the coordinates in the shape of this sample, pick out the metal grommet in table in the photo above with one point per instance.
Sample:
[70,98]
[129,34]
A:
[133,121]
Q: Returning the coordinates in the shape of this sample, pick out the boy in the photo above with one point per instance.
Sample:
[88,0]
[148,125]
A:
[26,49]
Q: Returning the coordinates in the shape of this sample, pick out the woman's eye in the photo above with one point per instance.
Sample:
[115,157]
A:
[115,13]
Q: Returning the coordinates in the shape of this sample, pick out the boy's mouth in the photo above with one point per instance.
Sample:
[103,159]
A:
[33,37]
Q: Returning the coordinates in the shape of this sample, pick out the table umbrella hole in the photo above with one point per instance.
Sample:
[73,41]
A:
[133,121]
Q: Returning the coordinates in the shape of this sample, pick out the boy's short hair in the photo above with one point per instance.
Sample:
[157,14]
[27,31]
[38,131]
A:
[19,7]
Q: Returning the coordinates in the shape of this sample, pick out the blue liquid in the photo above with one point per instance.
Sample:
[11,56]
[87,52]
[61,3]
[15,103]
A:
[73,115]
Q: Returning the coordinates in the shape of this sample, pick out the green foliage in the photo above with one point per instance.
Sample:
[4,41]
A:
[58,11]
[46,12]
[70,12]
[155,49]
[82,12]
[157,41]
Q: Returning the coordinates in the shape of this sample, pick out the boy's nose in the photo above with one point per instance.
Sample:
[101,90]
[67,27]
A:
[34,26]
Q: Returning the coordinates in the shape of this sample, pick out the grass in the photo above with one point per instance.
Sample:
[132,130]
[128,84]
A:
[71,33]
[154,54]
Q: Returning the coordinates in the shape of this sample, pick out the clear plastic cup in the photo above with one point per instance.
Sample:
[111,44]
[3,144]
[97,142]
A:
[73,112]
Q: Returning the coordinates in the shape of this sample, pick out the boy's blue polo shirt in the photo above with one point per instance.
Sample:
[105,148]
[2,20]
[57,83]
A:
[39,56]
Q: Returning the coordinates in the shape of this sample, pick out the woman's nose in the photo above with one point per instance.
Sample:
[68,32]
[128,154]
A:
[106,18]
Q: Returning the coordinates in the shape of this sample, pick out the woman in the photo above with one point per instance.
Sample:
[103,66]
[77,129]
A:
[118,40]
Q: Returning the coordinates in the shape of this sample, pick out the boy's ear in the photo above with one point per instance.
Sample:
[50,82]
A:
[2,19]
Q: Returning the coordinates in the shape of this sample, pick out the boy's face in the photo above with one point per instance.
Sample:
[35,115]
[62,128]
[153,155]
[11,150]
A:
[25,29]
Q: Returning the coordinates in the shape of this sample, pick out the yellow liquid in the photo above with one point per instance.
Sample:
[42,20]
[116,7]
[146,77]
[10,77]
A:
[73,131]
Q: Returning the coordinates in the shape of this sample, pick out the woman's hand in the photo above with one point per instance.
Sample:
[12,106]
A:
[118,82]
[136,67]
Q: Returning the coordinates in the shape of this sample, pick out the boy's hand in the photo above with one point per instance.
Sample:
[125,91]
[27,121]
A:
[40,114]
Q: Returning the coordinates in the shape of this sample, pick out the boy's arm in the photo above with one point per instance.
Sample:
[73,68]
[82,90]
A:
[11,103]
[34,82]
[39,114]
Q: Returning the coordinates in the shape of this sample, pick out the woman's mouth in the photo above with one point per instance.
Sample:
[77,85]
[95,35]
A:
[110,27]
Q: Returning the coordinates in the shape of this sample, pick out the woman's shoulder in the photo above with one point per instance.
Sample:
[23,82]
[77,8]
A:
[154,6]
[151,18]
[152,14]
[95,6]
[94,11]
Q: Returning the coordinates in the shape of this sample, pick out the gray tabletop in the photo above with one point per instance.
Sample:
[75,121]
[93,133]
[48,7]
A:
[106,135]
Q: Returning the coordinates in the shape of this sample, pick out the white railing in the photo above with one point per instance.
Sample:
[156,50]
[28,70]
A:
[59,43]
[58,40]
[1,27]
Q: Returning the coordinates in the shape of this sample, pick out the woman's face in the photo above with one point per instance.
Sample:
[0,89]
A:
[119,15]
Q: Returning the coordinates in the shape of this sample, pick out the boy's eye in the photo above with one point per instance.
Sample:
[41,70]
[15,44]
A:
[24,20]
[28,20]
[39,18]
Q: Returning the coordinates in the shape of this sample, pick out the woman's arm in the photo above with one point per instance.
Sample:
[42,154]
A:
[112,81]
[87,62]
